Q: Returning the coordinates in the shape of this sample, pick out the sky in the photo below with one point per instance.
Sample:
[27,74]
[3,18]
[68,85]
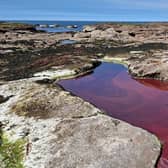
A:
[89,10]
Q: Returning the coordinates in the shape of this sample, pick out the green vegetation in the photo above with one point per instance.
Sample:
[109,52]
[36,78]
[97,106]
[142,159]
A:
[11,153]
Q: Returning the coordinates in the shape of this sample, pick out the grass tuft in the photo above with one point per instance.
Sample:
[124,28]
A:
[11,153]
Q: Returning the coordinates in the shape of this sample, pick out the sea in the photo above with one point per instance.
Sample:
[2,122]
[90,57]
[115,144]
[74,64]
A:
[63,25]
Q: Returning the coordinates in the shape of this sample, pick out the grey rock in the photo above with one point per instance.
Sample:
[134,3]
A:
[98,142]
[82,35]
[89,28]
[47,102]
[6,51]
[153,64]
[72,26]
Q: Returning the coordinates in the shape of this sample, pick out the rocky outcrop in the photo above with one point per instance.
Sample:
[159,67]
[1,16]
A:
[65,131]
[151,64]
[144,47]
[139,32]
[111,35]
[24,53]
[91,35]
[61,129]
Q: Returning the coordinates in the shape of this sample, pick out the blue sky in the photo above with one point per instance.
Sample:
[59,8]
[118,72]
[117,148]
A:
[101,10]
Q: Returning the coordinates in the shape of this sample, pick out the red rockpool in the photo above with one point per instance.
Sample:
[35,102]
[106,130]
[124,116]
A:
[142,102]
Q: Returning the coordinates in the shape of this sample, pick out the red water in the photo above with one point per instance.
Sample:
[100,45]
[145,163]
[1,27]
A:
[143,102]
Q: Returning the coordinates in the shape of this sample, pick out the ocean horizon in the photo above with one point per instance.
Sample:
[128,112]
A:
[63,24]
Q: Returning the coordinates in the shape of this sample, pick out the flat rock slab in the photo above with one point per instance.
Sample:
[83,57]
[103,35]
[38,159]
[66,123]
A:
[41,101]
[66,132]
[102,142]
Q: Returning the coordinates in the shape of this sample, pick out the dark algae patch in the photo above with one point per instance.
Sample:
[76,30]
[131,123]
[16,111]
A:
[6,26]
[11,153]
[143,103]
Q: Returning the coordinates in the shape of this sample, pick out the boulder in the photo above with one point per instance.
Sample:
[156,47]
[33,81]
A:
[153,64]
[89,28]
[96,34]
[72,26]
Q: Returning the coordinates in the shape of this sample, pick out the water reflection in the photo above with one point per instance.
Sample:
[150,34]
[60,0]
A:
[63,42]
[143,102]
[154,83]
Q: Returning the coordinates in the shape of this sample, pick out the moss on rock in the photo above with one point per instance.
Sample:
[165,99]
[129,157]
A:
[6,26]
[11,153]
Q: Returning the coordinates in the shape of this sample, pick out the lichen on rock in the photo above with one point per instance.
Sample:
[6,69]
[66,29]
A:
[11,152]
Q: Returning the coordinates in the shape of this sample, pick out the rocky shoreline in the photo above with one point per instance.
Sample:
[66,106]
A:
[60,129]
[24,52]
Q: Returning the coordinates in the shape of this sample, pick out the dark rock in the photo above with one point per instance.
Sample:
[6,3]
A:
[4,99]
[72,26]
[45,81]
[132,34]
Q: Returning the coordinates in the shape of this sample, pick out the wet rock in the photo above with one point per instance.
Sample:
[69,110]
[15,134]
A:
[44,81]
[72,26]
